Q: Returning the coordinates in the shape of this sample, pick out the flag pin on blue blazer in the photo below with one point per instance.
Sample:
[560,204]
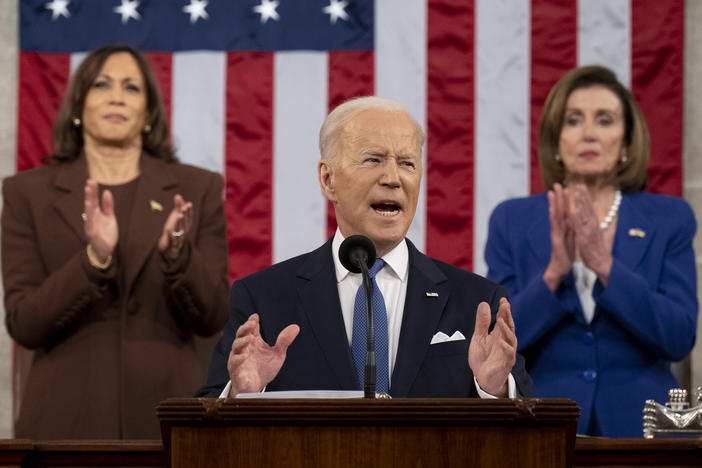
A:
[432,294]
[636,232]
[155,206]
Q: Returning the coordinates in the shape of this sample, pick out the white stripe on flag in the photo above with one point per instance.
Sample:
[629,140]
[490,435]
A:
[400,74]
[76,59]
[502,111]
[198,117]
[604,35]
[299,209]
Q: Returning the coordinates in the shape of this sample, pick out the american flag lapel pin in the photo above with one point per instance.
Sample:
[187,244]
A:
[636,232]
[432,294]
[155,206]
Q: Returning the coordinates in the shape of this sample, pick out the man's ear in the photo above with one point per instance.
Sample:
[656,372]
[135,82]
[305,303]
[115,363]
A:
[325,171]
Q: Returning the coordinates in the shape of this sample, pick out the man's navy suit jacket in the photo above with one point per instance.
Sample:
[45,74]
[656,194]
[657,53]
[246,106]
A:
[303,291]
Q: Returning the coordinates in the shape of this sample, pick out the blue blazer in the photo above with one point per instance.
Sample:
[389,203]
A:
[303,290]
[644,318]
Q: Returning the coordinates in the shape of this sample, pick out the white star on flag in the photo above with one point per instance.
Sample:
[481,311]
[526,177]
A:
[128,9]
[267,10]
[335,10]
[58,8]
[196,9]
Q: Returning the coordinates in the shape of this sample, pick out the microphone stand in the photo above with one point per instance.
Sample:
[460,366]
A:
[369,372]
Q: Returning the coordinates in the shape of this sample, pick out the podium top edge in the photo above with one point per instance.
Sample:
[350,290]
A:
[417,410]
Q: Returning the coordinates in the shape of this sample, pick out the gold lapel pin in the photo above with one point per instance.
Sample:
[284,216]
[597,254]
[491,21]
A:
[432,294]
[636,232]
[155,206]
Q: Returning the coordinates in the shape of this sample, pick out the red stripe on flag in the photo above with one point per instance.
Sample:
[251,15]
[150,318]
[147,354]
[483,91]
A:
[351,74]
[43,79]
[657,82]
[554,51]
[249,161]
[42,82]
[450,134]
[162,65]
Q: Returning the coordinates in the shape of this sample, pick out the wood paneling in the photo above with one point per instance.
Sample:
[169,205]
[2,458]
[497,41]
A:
[398,432]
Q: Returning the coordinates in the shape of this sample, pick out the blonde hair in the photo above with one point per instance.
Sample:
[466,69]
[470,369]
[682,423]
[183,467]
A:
[632,175]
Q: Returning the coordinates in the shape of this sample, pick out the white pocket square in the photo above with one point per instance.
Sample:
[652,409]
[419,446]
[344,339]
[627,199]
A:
[442,337]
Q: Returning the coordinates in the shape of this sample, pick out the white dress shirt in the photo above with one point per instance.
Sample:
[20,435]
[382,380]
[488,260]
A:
[392,282]
[584,284]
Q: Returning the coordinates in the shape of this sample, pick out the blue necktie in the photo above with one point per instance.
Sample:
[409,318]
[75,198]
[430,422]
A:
[358,336]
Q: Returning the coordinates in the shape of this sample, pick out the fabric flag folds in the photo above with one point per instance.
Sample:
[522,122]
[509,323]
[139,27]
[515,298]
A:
[247,84]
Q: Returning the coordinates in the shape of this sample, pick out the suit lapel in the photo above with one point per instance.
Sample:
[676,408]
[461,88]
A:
[157,184]
[139,237]
[634,233]
[420,318]
[539,233]
[316,285]
[70,182]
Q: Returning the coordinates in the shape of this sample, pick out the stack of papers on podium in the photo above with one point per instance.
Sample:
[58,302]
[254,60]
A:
[305,394]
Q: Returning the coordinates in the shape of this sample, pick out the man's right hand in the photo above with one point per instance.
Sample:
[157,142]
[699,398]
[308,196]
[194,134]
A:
[252,363]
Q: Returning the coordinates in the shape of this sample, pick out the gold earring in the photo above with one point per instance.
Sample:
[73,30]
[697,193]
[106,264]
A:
[147,128]
[76,122]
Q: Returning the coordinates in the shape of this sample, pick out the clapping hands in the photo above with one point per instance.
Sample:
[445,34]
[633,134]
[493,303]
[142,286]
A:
[100,223]
[176,227]
[575,231]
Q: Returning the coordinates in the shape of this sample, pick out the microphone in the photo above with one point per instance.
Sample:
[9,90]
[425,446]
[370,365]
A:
[356,250]
[357,254]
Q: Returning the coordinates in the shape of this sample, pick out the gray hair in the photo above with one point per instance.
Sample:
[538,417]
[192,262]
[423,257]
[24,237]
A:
[343,113]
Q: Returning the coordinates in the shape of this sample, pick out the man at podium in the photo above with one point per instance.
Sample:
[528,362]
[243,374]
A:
[300,324]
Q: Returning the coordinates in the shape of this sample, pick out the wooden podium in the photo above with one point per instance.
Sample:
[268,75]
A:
[201,432]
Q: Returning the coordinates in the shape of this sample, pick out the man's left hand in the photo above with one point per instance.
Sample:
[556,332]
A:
[492,355]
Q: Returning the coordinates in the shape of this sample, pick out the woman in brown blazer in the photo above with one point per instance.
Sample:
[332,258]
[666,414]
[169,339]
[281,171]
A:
[114,261]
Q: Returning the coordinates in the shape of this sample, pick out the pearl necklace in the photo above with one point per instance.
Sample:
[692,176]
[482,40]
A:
[612,210]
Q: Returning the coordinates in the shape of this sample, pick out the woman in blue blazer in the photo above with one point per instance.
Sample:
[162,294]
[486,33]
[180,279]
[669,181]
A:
[601,275]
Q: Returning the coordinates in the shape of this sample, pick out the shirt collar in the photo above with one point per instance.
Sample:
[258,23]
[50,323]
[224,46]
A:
[397,259]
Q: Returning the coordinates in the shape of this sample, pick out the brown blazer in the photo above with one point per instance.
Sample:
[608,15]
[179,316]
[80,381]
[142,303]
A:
[107,351]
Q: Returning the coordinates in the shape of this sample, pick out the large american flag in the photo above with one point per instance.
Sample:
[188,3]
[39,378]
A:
[248,82]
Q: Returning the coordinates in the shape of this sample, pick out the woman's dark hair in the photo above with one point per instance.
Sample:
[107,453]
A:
[68,138]
[632,175]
